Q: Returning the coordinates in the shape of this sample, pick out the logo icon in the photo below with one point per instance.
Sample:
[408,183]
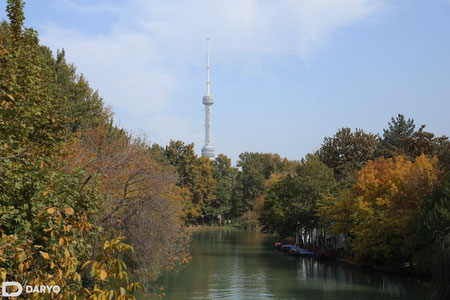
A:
[7,284]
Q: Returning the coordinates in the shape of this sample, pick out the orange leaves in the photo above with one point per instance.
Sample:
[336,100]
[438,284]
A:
[67,228]
[46,212]
[398,183]
[103,275]
[44,255]
[136,188]
[49,211]
[8,101]
[69,211]
[85,264]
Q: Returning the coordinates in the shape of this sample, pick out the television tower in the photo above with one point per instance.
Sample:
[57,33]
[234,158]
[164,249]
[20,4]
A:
[208,101]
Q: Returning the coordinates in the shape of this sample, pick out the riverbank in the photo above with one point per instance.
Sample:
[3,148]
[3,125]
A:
[350,262]
[212,227]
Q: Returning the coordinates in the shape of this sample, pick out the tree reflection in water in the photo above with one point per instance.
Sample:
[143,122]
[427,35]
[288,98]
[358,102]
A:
[235,264]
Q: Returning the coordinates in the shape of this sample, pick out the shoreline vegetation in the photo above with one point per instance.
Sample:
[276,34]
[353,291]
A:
[86,205]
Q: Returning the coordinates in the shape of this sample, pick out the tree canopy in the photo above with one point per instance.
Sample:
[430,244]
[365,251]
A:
[377,212]
[347,152]
[292,201]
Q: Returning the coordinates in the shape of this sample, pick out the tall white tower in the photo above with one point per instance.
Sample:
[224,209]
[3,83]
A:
[208,101]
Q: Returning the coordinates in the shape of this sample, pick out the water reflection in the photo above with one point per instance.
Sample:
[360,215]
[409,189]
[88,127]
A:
[234,264]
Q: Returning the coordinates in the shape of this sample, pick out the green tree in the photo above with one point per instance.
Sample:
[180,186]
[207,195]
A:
[444,156]
[225,177]
[44,220]
[256,168]
[182,157]
[292,201]
[196,176]
[394,140]
[433,219]
[84,106]
[347,152]
[441,267]
[32,125]
[402,139]
[16,17]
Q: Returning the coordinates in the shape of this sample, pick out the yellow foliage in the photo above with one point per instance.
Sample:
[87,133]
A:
[59,264]
[377,211]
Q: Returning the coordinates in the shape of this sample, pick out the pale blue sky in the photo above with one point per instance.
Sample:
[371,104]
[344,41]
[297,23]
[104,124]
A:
[285,74]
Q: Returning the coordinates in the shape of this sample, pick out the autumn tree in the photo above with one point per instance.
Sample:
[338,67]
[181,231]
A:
[423,142]
[377,212]
[142,201]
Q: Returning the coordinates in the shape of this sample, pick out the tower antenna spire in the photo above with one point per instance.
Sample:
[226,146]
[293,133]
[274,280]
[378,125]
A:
[207,64]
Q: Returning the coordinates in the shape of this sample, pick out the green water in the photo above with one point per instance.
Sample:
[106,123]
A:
[235,264]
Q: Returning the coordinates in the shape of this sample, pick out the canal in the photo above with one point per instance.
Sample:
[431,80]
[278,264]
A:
[236,264]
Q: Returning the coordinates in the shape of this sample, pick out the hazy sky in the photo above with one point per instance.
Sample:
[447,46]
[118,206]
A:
[284,74]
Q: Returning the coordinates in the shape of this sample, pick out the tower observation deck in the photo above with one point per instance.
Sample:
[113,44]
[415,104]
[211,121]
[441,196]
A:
[208,101]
